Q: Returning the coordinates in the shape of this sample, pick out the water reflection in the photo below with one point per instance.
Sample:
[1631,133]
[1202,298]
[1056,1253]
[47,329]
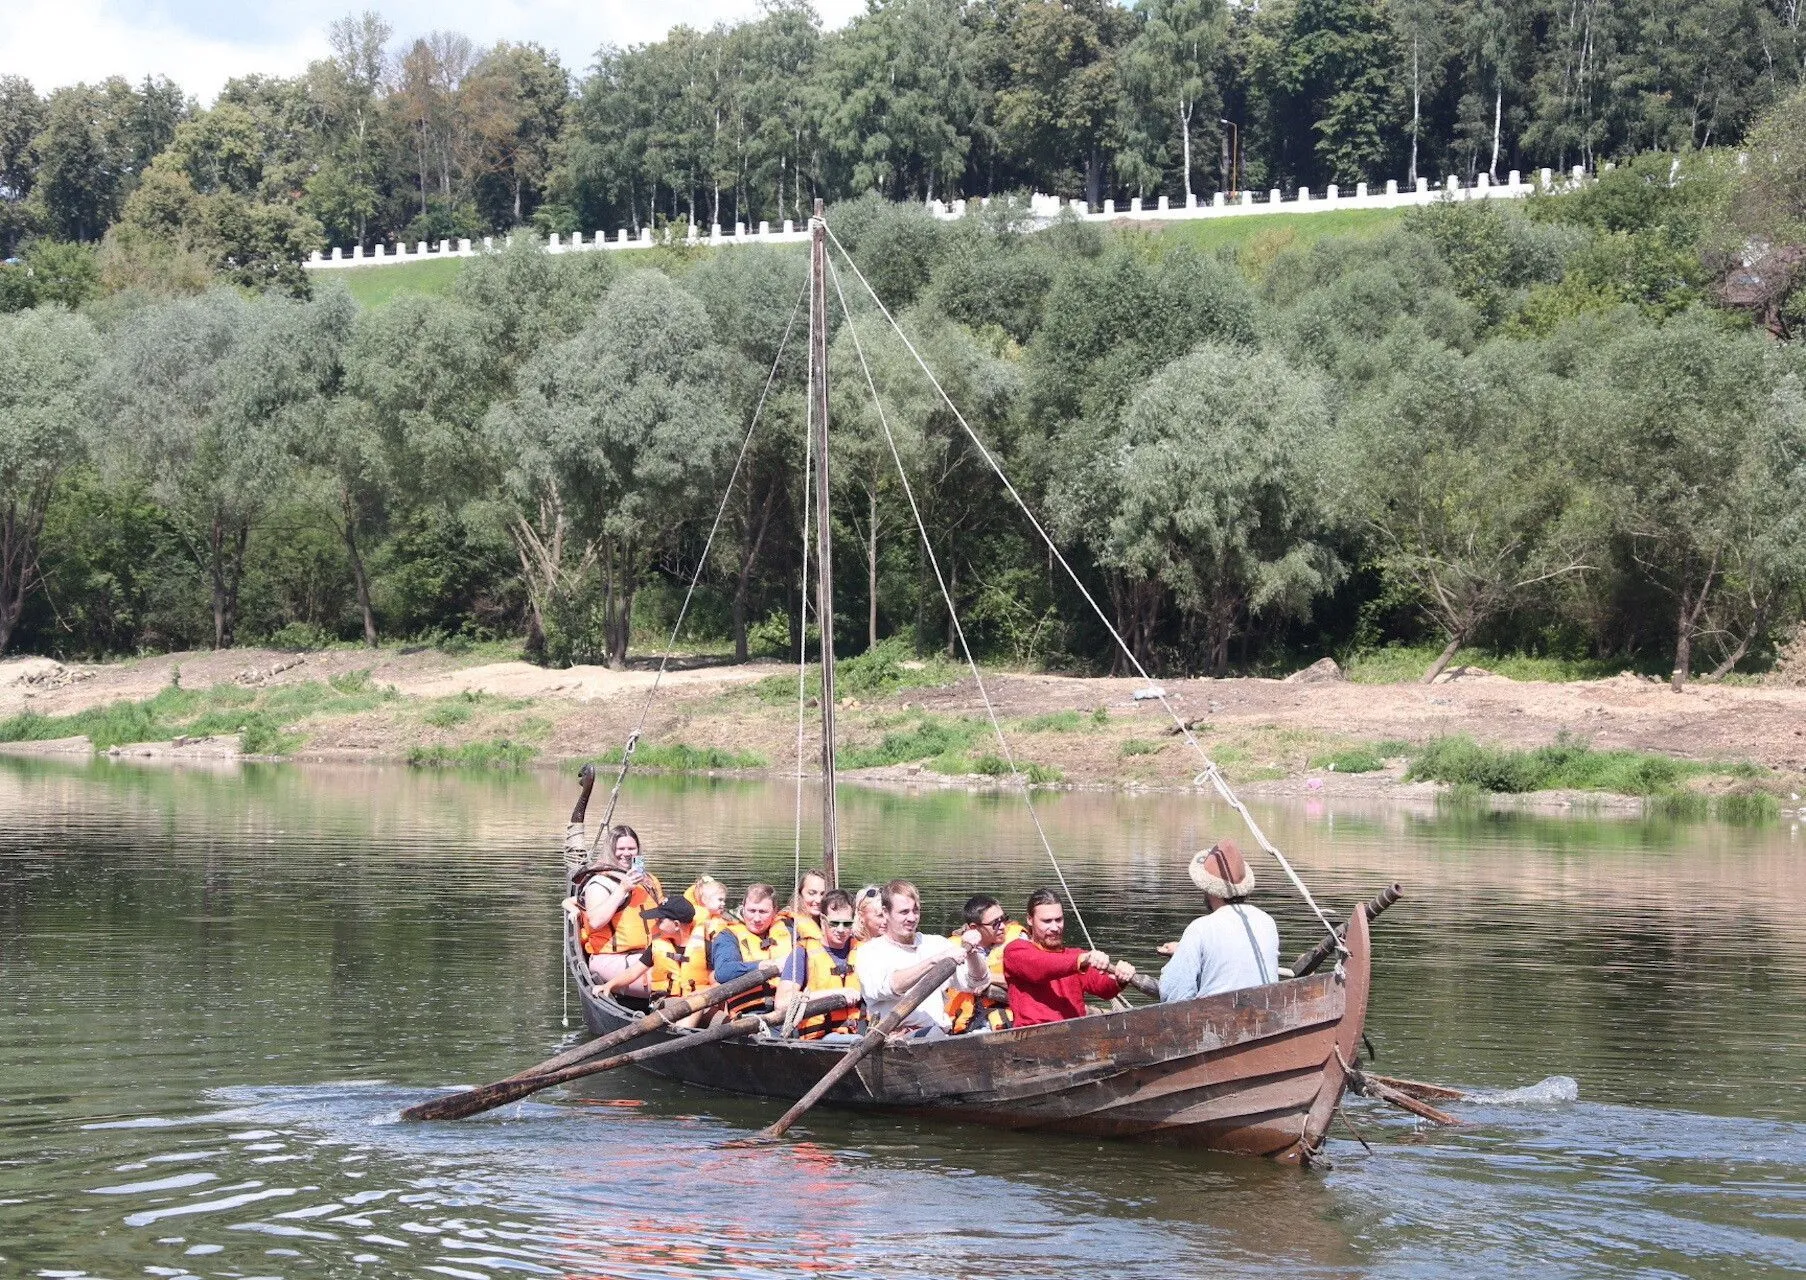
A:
[188,961]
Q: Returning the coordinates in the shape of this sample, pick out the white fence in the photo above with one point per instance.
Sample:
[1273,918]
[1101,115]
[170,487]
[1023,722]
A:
[1043,208]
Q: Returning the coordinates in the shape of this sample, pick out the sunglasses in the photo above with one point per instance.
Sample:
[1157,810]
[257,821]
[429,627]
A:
[838,924]
[997,923]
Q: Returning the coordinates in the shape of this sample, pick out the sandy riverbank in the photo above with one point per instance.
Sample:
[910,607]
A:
[1094,732]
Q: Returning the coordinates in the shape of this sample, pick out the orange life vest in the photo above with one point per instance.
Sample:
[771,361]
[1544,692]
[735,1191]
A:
[707,923]
[627,931]
[680,966]
[799,927]
[754,950]
[966,1007]
[828,974]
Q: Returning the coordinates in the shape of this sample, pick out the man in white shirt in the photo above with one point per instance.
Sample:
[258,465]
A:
[1233,944]
[888,965]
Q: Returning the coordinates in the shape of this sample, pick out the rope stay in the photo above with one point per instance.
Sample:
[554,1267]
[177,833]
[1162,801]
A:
[952,613]
[1211,772]
[702,563]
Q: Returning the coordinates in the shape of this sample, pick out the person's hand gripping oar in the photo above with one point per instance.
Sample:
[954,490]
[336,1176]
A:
[925,986]
[456,1106]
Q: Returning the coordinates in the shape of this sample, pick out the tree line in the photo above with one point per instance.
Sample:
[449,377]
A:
[1565,428]
[913,100]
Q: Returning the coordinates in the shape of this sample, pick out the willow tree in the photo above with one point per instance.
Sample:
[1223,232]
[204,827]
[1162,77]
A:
[1213,494]
[43,428]
[616,436]
[204,397]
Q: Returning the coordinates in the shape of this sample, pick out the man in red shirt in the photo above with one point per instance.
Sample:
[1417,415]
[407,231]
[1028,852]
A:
[1048,981]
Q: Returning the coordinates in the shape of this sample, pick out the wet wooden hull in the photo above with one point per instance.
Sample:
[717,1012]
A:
[1253,1072]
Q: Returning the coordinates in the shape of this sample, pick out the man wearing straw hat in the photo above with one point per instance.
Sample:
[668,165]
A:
[1233,944]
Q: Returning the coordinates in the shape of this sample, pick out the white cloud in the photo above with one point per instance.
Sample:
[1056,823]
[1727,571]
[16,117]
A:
[200,44]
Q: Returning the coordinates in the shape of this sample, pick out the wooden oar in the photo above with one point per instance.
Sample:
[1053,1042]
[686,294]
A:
[506,1091]
[1310,960]
[456,1106]
[925,986]
[1372,1087]
[1419,1090]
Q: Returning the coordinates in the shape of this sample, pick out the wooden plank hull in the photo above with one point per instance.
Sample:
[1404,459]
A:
[1253,1072]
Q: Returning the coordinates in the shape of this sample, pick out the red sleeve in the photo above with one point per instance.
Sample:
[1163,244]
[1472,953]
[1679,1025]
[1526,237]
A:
[1024,960]
[1096,983]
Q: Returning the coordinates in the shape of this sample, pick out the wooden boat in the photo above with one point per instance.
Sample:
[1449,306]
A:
[1254,1072]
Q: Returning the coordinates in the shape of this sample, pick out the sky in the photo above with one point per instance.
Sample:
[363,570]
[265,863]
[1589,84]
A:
[200,44]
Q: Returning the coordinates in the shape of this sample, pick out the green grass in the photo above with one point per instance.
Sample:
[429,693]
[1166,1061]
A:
[1358,759]
[262,717]
[1262,236]
[447,712]
[995,766]
[680,757]
[1747,808]
[1405,664]
[374,285]
[930,737]
[1139,747]
[1562,766]
[1052,722]
[869,675]
[497,753]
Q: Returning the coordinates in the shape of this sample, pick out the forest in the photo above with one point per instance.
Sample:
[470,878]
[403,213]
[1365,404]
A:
[1574,427]
[404,140]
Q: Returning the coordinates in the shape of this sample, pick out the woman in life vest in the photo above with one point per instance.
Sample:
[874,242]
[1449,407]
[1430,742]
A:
[608,902]
[981,1010]
[660,967]
[822,965]
[801,920]
[745,944]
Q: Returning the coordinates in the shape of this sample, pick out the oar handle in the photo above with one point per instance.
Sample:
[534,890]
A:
[1146,985]
[1310,960]
[924,986]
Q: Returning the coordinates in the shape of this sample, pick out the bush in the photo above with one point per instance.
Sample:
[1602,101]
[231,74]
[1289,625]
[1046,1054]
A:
[1052,722]
[499,753]
[1139,747]
[931,737]
[1561,766]
[1747,808]
[1351,760]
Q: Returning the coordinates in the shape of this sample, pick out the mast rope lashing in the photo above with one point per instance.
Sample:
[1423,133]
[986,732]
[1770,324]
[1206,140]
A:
[959,629]
[1210,767]
[702,563]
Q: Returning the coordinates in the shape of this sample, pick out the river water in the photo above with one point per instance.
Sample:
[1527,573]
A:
[216,990]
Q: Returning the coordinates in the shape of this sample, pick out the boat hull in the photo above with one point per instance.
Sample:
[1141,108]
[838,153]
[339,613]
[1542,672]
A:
[1255,1072]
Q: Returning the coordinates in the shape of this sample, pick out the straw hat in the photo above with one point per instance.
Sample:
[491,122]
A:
[1221,870]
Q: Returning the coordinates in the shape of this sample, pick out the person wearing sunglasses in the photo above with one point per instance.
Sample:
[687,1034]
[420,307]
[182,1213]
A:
[868,920]
[820,965]
[984,1010]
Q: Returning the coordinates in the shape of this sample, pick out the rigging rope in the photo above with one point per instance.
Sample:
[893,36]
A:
[702,563]
[1210,771]
[953,614]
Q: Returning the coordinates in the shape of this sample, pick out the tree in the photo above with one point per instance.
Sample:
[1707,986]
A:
[516,98]
[21,118]
[1682,438]
[1171,62]
[615,437]
[1058,108]
[1421,27]
[44,428]
[203,396]
[1212,494]
[1466,492]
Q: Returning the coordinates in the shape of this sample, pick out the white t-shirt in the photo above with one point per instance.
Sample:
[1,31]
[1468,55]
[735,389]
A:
[877,960]
[1233,947]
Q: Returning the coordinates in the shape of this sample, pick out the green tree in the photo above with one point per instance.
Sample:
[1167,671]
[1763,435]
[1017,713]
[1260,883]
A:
[1060,103]
[202,397]
[21,118]
[1466,493]
[44,428]
[614,437]
[1171,65]
[1213,497]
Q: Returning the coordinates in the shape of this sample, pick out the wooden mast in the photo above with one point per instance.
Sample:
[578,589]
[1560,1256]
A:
[824,564]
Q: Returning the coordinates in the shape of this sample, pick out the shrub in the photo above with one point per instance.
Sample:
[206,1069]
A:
[1139,747]
[499,753]
[1747,808]
[1351,760]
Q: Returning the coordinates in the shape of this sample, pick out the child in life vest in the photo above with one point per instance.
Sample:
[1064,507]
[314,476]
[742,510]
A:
[661,968]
